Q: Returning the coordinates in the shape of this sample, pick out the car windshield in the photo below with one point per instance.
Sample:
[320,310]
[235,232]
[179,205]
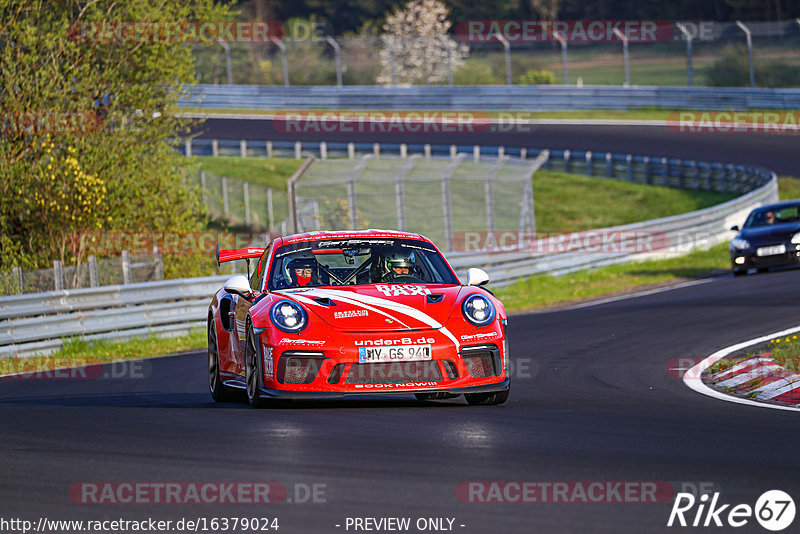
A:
[772,215]
[334,262]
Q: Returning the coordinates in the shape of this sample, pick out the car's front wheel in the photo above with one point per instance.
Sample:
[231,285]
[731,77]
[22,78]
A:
[253,372]
[487,399]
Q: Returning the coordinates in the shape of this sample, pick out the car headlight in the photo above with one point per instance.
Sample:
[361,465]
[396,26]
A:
[288,316]
[796,238]
[478,309]
[740,243]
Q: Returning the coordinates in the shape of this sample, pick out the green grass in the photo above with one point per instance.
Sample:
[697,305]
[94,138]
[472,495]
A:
[543,290]
[788,188]
[567,202]
[272,172]
[80,352]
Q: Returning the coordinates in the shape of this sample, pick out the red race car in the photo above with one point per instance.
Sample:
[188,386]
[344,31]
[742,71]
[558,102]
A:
[332,314]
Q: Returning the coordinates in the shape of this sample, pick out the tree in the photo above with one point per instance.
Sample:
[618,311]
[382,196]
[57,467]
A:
[89,126]
[417,46]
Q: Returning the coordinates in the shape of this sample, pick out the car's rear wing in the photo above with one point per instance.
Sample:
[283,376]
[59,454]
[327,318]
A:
[233,254]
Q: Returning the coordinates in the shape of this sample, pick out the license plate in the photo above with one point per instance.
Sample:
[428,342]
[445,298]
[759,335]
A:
[404,353]
[771,251]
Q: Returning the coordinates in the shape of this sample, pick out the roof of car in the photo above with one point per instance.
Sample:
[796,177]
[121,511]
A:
[350,234]
[779,205]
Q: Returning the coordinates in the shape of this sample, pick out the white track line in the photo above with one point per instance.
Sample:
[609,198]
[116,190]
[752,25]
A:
[692,377]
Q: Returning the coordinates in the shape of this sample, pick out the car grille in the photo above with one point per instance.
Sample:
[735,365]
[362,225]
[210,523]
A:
[394,372]
[482,360]
[299,367]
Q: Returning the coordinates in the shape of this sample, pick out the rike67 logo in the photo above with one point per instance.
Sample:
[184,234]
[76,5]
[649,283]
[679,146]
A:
[774,510]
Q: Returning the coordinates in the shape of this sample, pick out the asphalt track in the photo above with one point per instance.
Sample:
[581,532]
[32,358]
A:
[593,399]
[778,152]
[599,404]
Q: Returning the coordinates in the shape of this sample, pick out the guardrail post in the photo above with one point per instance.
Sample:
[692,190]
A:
[214,148]
[337,51]
[58,275]
[448,220]
[749,37]
[689,67]
[126,267]
[351,151]
[323,150]
[589,169]
[609,165]
[501,152]
[188,150]
[351,204]
[476,153]
[507,54]
[203,187]
[625,57]
[246,195]
[426,149]
[403,150]
[270,213]
[665,172]
[629,166]
[93,274]
[18,276]
[399,200]
[453,151]
[567,161]
[376,150]
[488,197]
[284,60]
[159,260]
[298,150]
[547,162]
[648,179]
[225,209]
[269,149]
[564,63]
[523,153]
[243,148]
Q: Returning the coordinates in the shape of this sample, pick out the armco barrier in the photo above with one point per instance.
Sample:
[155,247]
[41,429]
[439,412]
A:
[487,97]
[35,323]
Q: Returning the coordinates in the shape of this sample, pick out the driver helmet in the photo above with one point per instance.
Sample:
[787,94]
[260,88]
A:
[400,263]
[302,270]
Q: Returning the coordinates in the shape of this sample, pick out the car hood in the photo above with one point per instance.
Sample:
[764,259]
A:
[765,234]
[379,307]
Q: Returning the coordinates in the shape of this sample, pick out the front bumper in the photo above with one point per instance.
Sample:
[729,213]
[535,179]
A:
[753,261]
[331,368]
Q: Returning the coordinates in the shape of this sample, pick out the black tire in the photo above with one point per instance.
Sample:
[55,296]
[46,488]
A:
[487,399]
[434,396]
[219,392]
[253,372]
[739,272]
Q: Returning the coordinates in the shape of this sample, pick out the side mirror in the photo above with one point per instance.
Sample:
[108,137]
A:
[735,228]
[476,277]
[238,285]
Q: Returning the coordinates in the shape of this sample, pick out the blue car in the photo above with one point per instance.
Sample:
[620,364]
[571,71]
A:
[770,237]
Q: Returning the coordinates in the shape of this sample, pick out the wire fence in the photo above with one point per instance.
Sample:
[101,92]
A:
[438,197]
[124,269]
[242,203]
[700,53]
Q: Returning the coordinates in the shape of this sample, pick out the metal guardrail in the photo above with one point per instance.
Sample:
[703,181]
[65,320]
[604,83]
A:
[488,97]
[35,323]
